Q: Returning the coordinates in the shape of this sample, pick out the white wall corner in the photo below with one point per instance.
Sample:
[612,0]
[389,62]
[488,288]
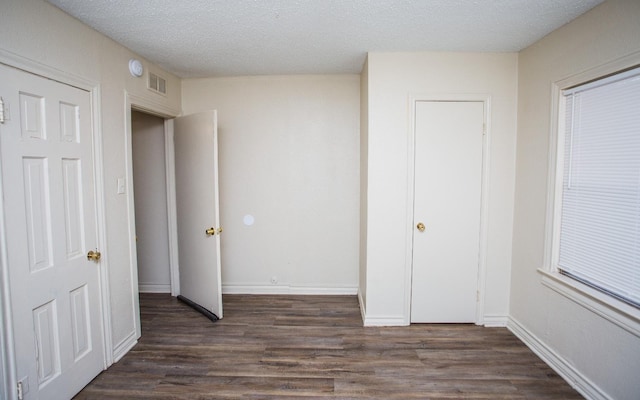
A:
[363,309]
[559,364]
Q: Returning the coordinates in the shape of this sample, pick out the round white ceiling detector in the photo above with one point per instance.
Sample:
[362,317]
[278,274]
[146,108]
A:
[135,67]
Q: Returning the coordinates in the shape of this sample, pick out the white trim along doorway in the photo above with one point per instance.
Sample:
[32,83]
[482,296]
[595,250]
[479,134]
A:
[144,105]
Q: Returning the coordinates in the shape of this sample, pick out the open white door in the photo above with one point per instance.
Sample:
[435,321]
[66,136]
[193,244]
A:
[196,166]
[49,209]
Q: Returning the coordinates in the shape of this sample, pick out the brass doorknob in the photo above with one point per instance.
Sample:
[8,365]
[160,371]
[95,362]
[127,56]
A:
[213,231]
[420,226]
[93,255]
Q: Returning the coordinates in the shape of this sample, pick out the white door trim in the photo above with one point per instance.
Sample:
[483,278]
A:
[8,369]
[484,199]
[172,218]
[148,106]
[8,359]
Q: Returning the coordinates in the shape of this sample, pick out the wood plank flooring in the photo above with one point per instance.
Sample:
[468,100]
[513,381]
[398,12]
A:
[275,347]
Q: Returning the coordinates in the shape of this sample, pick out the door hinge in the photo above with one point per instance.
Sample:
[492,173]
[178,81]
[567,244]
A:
[5,111]
[22,387]
[1,111]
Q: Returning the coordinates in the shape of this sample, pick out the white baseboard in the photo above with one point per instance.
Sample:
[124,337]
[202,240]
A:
[559,364]
[385,321]
[154,288]
[363,310]
[124,346]
[495,321]
[287,289]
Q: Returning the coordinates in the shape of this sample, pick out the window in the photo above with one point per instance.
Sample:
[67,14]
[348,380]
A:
[597,210]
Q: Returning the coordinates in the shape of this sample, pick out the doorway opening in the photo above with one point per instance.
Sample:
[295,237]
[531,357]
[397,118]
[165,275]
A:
[141,114]
[155,162]
[150,186]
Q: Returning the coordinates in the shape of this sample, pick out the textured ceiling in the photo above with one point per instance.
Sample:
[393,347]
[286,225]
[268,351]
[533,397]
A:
[203,38]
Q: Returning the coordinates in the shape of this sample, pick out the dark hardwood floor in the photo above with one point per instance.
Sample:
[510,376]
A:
[274,347]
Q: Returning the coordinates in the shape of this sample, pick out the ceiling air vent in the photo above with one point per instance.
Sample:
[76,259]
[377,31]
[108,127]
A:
[157,83]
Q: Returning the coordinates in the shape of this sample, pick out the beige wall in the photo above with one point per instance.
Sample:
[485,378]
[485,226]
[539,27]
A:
[39,32]
[599,350]
[289,157]
[392,78]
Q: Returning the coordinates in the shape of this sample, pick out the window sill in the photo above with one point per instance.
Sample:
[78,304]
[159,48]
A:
[622,314]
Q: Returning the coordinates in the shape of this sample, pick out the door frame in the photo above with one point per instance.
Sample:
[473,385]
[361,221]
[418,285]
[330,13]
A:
[148,106]
[8,367]
[167,121]
[484,203]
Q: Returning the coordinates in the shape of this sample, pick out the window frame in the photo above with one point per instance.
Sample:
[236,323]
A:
[607,306]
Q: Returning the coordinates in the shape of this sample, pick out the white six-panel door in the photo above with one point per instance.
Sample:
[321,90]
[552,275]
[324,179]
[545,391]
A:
[448,182]
[50,224]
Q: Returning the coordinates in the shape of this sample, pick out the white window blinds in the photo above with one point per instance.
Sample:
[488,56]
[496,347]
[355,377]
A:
[600,215]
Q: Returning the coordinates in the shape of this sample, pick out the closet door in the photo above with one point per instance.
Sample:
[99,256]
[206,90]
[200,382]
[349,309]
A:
[446,240]
[49,212]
